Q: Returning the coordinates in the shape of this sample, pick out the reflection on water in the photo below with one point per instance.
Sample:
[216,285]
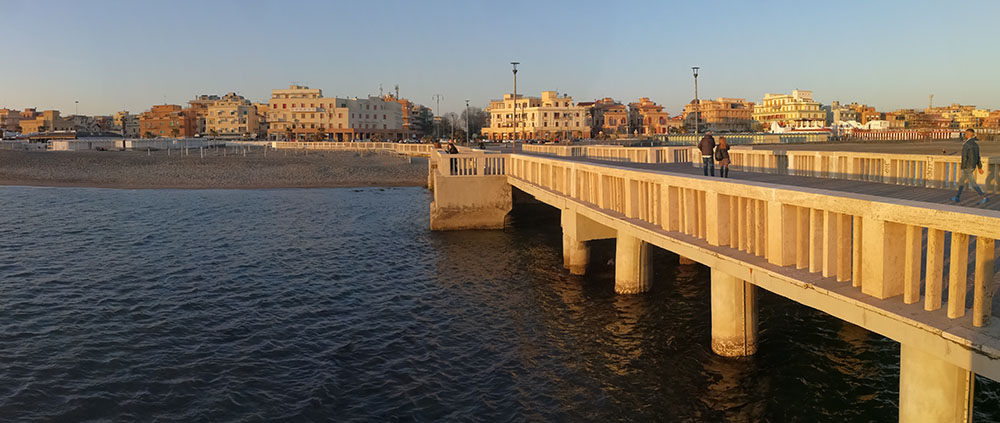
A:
[337,304]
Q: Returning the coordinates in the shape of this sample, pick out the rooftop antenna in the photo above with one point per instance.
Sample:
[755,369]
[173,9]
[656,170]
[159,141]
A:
[397,91]
[931,106]
[380,90]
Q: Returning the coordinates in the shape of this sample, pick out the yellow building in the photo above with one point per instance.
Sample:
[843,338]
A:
[721,115]
[797,110]
[302,113]
[46,121]
[230,116]
[550,117]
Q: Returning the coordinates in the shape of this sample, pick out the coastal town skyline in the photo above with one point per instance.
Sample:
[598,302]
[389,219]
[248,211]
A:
[590,52]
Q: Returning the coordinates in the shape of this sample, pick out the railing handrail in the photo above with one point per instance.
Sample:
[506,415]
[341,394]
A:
[978,222]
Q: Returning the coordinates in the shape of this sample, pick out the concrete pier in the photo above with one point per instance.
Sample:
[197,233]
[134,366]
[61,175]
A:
[841,252]
[933,390]
[734,316]
[576,255]
[633,271]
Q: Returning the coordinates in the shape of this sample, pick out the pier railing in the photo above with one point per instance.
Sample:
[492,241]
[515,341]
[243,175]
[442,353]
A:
[876,246]
[616,153]
[470,163]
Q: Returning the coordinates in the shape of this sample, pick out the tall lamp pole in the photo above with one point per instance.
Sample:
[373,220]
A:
[513,132]
[437,126]
[468,129]
[697,103]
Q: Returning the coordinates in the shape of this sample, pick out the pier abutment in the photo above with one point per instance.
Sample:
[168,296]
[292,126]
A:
[734,316]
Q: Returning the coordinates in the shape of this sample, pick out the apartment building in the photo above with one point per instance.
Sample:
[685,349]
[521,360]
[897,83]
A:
[46,121]
[795,110]
[232,116]
[302,113]
[167,120]
[127,124]
[550,117]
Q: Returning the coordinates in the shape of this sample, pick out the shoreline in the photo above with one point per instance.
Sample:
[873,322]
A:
[131,170]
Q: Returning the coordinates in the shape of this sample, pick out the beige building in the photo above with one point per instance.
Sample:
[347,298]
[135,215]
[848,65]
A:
[46,121]
[796,110]
[721,115]
[550,117]
[302,113]
[232,116]
[10,120]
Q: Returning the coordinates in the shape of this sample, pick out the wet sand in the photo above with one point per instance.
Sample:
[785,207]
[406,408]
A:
[218,169]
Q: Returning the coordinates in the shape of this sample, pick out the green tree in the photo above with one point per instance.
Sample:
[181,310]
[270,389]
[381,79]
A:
[175,131]
[288,133]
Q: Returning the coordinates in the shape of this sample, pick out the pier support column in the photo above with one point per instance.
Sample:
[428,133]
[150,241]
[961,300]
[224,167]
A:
[734,316]
[633,271]
[576,255]
[933,390]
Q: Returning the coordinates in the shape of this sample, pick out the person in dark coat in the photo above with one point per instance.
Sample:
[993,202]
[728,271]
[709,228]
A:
[970,162]
[707,147]
[722,156]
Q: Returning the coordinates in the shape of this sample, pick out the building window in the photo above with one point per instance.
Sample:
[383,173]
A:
[383,117]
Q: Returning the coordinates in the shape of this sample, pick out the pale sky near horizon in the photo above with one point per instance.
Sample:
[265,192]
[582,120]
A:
[132,54]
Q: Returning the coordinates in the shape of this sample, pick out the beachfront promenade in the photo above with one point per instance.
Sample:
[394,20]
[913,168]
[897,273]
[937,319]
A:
[870,240]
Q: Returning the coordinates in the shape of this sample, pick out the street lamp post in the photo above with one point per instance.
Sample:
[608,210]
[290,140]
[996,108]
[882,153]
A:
[468,129]
[697,104]
[437,125]
[513,132]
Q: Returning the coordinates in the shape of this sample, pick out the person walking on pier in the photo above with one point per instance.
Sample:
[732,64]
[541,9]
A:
[722,156]
[707,147]
[970,162]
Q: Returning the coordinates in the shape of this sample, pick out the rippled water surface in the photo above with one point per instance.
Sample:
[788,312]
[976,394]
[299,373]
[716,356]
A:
[341,305]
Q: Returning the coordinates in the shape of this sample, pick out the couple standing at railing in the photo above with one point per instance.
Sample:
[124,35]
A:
[719,153]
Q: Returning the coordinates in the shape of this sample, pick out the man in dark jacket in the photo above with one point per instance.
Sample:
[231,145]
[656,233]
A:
[970,162]
[707,147]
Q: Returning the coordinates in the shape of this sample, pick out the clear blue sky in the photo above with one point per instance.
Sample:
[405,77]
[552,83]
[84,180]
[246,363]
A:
[132,54]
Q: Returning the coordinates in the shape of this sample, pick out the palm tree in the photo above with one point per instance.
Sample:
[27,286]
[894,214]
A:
[288,133]
[175,131]
[213,133]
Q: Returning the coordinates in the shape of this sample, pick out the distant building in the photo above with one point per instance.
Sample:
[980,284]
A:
[167,120]
[796,110]
[720,115]
[651,119]
[550,117]
[232,116]
[46,121]
[839,113]
[10,120]
[198,111]
[128,122]
[302,113]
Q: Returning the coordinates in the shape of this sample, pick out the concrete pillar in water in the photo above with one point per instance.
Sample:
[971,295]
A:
[734,316]
[931,389]
[576,255]
[633,272]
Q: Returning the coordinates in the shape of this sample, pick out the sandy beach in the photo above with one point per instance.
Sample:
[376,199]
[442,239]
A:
[218,169]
